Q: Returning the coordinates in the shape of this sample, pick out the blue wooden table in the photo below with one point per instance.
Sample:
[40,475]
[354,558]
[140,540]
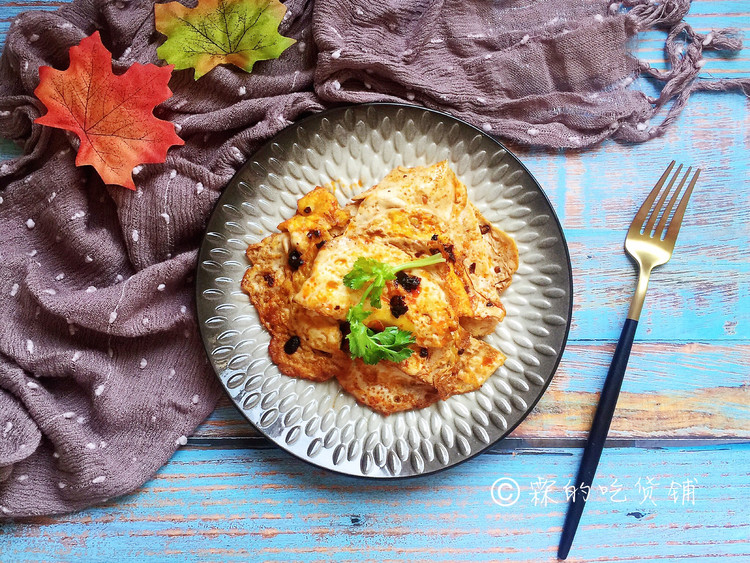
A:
[674,482]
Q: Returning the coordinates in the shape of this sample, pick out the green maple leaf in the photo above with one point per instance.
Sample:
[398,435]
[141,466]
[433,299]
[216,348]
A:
[238,32]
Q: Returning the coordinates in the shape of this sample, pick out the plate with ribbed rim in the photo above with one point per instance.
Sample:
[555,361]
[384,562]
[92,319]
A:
[353,148]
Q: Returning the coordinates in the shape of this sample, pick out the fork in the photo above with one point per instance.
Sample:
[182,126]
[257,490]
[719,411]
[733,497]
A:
[649,244]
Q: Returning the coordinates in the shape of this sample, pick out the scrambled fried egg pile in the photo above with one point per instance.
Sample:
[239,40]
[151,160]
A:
[295,281]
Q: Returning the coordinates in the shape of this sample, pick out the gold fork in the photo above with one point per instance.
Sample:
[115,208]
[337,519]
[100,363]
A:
[650,244]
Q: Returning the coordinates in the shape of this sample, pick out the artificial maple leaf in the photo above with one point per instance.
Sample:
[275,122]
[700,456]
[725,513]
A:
[238,32]
[112,115]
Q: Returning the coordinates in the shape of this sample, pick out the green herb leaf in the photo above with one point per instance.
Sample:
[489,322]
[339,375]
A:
[365,270]
[391,344]
[394,338]
[357,314]
[369,270]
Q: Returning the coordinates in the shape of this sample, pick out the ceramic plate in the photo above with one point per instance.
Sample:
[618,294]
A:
[354,147]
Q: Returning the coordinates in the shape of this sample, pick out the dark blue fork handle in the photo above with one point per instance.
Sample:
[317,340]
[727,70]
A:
[597,435]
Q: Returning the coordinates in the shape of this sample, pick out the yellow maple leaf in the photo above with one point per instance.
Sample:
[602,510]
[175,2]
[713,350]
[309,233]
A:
[238,32]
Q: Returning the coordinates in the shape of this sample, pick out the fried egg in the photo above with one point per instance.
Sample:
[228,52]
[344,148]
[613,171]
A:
[295,281]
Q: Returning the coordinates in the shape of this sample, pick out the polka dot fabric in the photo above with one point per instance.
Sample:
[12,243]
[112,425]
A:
[102,371]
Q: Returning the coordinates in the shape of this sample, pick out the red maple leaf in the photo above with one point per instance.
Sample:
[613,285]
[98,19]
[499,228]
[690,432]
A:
[112,115]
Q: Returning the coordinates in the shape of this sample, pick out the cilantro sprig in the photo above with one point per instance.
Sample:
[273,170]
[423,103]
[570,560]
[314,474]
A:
[370,270]
[392,343]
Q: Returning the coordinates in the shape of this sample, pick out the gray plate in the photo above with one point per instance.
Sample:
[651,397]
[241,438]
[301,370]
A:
[319,422]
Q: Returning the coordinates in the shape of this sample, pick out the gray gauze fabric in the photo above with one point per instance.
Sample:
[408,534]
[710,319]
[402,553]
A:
[102,372]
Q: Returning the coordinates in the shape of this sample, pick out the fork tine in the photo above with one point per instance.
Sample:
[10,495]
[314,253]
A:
[660,203]
[674,225]
[663,221]
[640,217]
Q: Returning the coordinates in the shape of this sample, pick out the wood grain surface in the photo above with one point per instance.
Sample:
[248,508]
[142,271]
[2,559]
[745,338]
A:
[682,425]
[261,504]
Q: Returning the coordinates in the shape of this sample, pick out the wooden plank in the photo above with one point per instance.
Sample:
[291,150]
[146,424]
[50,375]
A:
[601,188]
[230,505]
[685,391]
[689,299]
[703,292]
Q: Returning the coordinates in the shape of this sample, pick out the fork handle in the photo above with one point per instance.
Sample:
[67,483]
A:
[597,435]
